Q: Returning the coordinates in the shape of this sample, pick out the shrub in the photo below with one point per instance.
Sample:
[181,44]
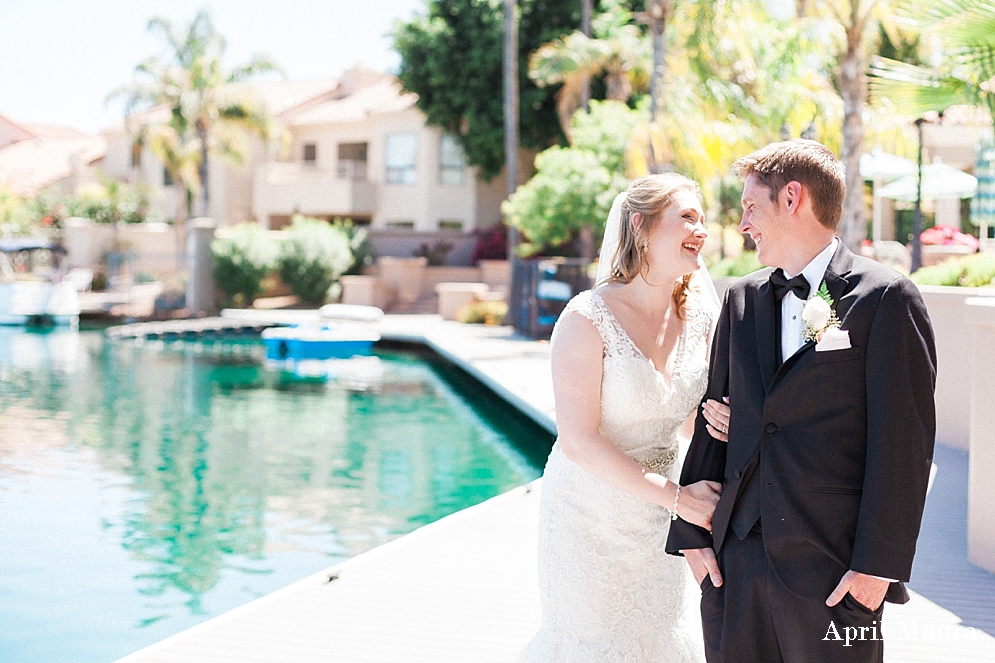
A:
[110,202]
[240,260]
[745,263]
[491,244]
[435,253]
[970,271]
[488,312]
[314,255]
[979,270]
[363,253]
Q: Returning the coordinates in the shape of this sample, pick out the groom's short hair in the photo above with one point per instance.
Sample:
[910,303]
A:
[807,162]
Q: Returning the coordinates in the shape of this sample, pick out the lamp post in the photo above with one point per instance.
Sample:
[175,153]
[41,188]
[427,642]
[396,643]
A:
[511,145]
[585,27]
[917,223]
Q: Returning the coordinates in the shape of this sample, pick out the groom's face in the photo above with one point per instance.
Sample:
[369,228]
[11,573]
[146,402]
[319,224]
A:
[764,220]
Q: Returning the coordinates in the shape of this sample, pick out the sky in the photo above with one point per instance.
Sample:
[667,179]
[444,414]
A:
[59,59]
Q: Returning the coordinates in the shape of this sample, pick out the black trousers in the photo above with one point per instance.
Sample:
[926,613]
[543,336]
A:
[753,618]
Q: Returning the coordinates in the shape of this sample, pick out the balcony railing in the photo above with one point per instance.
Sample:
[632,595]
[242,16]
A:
[285,188]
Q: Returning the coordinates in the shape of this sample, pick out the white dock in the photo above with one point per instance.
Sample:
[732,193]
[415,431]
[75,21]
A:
[460,589]
[465,588]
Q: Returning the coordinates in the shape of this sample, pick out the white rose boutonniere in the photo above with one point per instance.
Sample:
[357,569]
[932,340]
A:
[819,315]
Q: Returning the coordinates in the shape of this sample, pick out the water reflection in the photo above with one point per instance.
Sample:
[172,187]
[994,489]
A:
[239,479]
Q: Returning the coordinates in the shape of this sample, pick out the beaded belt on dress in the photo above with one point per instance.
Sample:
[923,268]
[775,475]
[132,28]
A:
[661,462]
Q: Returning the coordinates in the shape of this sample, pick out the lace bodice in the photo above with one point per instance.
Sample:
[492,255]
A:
[609,591]
[640,410]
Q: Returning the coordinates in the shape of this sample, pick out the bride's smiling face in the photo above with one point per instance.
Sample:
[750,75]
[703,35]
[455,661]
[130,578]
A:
[675,241]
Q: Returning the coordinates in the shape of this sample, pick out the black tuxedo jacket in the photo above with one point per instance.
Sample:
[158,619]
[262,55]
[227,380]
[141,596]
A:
[835,446]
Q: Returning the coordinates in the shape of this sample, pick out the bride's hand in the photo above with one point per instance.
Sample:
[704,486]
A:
[697,501]
[717,416]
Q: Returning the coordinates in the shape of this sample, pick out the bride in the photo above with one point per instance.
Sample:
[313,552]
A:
[629,363]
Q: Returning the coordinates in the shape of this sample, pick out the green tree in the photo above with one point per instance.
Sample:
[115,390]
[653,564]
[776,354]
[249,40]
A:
[618,50]
[205,111]
[451,57]
[573,187]
[15,213]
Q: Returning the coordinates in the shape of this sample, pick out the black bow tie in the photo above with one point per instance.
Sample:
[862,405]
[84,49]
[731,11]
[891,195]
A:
[782,285]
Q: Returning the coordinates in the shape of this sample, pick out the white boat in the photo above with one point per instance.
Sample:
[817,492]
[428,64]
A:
[32,290]
[343,331]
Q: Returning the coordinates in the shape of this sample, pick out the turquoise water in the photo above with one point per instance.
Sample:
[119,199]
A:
[145,489]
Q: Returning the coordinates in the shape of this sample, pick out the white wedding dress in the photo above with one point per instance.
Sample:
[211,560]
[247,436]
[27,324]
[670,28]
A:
[609,592]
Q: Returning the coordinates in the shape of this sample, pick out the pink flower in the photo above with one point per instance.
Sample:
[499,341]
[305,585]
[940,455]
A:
[946,236]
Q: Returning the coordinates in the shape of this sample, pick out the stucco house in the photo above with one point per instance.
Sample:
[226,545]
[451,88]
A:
[354,147]
[37,158]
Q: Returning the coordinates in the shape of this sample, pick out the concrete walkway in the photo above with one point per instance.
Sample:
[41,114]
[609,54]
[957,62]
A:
[465,588]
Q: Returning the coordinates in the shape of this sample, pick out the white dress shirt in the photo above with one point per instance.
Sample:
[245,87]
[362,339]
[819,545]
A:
[792,324]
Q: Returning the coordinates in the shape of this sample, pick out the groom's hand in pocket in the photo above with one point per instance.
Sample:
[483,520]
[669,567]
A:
[867,590]
[703,563]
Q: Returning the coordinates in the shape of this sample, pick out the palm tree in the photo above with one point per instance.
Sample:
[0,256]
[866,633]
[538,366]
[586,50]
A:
[656,16]
[860,20]
[617,50]
[180,156]
[208,113]
[736,76]
[966,75]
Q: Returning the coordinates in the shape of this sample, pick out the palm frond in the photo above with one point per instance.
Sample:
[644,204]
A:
[259,64]
[929,13]
[968,29]
[916,89]
[978,60]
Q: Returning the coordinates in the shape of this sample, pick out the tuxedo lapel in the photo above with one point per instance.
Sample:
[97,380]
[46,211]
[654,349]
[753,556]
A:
[835,278]
[836,284]
[768,332]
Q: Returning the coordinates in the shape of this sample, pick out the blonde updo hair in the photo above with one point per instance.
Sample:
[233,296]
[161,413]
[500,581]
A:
[650,196]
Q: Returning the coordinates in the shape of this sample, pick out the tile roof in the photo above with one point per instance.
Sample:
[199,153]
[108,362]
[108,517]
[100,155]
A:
[11,132]
[384,96]
[31,164]
[281,96]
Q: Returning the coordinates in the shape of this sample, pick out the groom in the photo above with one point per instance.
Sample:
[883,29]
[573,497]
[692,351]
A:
[830,432]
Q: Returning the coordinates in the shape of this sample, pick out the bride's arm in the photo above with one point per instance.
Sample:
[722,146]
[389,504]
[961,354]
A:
[577,365]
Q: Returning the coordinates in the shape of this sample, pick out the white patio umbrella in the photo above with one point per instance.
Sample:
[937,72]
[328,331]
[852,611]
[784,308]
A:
[939,182]
[880,167]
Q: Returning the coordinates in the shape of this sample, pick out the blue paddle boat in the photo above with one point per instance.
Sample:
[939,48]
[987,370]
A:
[341,331]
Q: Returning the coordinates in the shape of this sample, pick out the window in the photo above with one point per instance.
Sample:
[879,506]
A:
[402,153]
[167,178]
[401,225]
[447,224]
[352,161]
[310,153]
[452,160]
[136,154]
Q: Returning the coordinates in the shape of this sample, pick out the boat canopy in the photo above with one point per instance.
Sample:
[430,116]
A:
[16,244]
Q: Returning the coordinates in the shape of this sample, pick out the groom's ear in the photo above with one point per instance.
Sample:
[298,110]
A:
[792,193]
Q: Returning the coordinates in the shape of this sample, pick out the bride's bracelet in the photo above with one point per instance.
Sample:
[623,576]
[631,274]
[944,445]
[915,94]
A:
[677,496]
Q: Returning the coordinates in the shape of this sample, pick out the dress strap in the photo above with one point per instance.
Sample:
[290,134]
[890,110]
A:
[593,307]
